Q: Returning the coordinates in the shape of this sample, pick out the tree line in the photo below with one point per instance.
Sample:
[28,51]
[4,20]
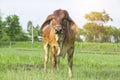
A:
[94,30]
[11,30]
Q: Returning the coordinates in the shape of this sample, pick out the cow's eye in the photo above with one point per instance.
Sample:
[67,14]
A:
[53,22]
[65,21]
[64,29]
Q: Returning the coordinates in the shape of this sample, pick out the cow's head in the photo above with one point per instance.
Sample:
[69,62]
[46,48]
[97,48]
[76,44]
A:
[60,22]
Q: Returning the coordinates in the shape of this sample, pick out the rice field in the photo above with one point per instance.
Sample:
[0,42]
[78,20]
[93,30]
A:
[92,61]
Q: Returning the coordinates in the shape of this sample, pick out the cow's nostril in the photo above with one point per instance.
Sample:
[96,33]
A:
[58,31]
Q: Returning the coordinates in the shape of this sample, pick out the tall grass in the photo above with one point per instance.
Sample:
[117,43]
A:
[92,61]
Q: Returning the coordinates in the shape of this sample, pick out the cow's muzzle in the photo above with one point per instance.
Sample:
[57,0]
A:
[58,31]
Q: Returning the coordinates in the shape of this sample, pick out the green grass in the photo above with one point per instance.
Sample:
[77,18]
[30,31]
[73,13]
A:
[92,61]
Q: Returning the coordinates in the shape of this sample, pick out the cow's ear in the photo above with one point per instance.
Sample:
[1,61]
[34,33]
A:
[46,22]
[73,25]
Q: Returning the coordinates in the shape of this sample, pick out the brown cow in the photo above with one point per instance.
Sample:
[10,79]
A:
[58,32]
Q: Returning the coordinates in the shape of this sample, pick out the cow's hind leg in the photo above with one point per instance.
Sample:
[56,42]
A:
[70,60]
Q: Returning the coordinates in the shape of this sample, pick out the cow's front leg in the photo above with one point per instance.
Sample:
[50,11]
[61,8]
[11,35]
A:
[57,62]
[45,56]
[53,57]
[57,57]
[70,61]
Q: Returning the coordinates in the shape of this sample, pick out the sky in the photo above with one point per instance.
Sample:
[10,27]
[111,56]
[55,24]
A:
[38,10]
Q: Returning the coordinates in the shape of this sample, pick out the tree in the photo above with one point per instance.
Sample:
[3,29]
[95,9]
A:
[0,28]
[94,28]
[107,34]
[3,34]
[98,17]
[33,31]
[116,34]
[92,31]
[36,32]
[30,30]
[29,25]
[14,30]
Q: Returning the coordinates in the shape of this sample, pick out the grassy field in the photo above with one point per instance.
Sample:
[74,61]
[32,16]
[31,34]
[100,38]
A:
[92,61]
